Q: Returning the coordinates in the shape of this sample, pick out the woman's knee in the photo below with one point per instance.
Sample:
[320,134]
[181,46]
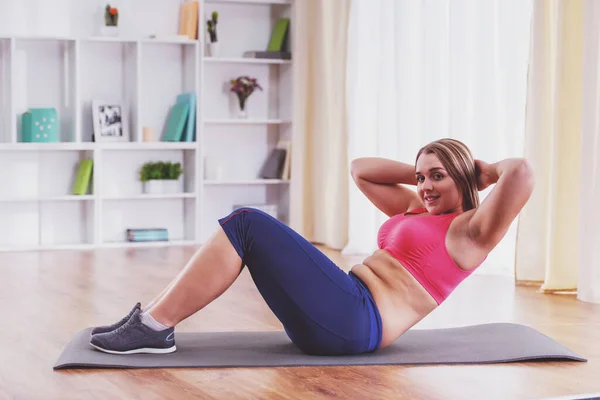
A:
[243,225]
[251,212]
[237,214]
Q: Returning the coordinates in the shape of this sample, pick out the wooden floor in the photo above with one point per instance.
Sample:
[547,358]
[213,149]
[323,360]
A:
[47,297]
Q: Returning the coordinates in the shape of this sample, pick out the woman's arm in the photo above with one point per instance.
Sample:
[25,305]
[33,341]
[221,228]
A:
[514,181]
[381,181]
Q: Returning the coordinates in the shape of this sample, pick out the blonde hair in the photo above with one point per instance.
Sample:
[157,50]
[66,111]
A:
[457,159]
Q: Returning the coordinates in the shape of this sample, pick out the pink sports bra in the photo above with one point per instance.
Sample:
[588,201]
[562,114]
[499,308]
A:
[419,243]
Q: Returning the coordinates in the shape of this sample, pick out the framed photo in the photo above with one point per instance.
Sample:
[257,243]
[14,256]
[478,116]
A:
[110,122]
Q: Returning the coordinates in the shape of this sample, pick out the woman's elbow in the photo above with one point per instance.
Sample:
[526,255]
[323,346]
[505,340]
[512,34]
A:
[355,167]
[525,174]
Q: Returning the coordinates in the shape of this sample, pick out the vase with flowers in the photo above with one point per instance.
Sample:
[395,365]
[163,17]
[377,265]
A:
[111,21]
[243,87]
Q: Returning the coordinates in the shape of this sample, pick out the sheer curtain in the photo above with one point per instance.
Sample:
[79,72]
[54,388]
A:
[419,71]
[558,243]
[547,238]
[588,288]
[319,206]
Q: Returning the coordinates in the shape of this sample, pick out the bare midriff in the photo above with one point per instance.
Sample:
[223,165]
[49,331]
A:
[401,299]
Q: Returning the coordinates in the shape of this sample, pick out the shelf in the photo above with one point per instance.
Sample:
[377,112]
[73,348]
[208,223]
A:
[49,198]
[40,38]
[245,60]
[119,39]
[144,40]
[108,39]
[144,196]
[64,146]
[144,76]
[245,182]
[233,121]
[264,2]
[169,41]
[149,146]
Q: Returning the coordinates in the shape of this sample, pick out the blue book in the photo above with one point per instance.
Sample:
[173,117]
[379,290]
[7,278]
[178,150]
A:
[189,134]
[176,122]
[147,235]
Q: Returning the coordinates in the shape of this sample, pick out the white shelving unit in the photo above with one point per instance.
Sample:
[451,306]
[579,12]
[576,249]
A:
[221,167]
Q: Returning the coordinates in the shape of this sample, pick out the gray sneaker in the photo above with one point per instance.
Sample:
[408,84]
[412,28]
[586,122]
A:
[135,337]
[109,328]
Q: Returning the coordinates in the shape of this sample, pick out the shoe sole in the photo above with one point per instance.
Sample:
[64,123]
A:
[148,350]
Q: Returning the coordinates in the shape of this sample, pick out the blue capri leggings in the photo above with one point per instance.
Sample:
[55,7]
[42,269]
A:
[324,310]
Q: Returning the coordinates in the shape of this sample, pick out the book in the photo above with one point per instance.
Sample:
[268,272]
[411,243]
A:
[176,122]
[84,173]
[147,235]
[190,125]
[273,55]
[285,169]
[273,165]
[278,41]
[188,19]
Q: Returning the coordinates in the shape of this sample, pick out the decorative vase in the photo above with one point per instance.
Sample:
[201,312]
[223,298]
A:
[163,186]
[213,49]
[242,107]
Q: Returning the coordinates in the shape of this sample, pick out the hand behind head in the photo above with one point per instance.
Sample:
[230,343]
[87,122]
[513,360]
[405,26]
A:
[485,175]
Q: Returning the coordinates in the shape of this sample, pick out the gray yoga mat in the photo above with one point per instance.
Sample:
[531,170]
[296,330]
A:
[477,344]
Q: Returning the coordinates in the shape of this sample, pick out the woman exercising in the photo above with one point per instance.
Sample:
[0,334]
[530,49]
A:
[434,238]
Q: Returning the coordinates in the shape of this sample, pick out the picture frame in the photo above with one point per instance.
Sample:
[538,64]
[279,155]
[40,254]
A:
[110,122]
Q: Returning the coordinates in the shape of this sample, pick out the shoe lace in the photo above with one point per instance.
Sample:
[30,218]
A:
[123,327]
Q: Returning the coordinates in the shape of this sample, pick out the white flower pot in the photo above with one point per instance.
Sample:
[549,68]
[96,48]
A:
[163,186]
[213,49]
[109,31]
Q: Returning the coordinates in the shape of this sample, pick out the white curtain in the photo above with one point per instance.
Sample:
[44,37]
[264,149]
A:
[317,210]
[547,236]
[421,70]
[589,196]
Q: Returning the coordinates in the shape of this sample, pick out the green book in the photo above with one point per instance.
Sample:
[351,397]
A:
[279,35]
[84,174]
[176,122]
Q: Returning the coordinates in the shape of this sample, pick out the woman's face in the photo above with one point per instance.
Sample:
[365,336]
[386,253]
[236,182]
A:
[435,187]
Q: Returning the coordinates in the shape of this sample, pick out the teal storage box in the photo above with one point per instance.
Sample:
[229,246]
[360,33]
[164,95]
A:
[40,125]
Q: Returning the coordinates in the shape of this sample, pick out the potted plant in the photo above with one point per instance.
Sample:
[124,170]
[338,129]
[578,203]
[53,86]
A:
[159,177]
[243,87]
[211,26]
[111,21]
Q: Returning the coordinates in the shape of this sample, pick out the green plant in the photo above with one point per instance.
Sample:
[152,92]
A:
[211,25]
[160,170]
